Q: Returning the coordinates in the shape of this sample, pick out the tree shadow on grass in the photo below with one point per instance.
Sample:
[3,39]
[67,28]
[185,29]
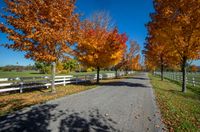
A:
[12,104]
[195,90]
[179,93]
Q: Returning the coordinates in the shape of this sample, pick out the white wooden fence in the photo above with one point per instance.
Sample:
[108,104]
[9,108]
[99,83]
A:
[21,83]
[191,78]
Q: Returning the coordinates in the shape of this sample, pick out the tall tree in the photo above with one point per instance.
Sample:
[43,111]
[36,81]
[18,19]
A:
[131,58]
[70,64]
[131,54]
[100,47]
[121,64]
[43,29]
[179,20]
[135,63]
[159,54]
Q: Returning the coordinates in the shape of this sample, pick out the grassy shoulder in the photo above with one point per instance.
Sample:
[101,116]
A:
[180,111]
[16,101]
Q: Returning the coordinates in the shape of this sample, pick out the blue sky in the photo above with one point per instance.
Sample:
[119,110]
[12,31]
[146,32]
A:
[129,15]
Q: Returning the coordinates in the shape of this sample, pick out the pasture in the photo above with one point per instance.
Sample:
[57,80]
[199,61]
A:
[8,74]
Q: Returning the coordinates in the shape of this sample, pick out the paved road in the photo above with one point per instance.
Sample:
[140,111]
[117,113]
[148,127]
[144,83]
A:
[124,106]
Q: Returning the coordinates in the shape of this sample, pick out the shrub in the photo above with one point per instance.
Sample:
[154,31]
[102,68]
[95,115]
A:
[64,72]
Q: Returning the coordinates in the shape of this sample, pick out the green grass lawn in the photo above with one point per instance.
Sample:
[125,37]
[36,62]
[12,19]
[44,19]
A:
[180,111]
[7,74]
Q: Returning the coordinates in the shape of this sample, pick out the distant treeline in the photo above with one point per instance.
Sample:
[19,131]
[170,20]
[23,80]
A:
[18,68]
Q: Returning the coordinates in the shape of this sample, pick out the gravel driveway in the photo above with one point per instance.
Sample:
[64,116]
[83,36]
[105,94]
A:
[124,106]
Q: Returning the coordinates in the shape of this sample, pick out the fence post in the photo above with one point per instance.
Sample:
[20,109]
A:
[85,77]
[76,79]
[21,86]
[193,81]
[186,79]
[47,80]
[174,76]
[64,81]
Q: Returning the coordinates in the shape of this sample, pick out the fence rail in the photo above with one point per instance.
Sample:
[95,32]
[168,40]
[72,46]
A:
[21,83]
[191,78]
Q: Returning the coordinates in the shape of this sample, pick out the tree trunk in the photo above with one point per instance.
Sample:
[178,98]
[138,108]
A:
[161,70]
[183,68]
[53,90]
[98,69]
[116,73]
[153,73]
[126,70]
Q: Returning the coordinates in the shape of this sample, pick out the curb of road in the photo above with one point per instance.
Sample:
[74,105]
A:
[161,126]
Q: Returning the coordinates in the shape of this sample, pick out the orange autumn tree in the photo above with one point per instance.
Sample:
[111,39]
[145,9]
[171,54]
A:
[194,68]
[98,46]
[121,64]
[149,65]
[134,55]
[44,29]
[158,54]
[180,21]
[135,63]
[131,55]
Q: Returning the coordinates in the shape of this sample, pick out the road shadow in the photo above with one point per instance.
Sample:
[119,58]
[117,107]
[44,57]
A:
[140,78]
[124,83]
[38,119]
[135,77]
[97,122]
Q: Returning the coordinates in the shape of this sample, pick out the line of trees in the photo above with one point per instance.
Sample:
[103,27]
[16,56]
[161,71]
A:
[63,67]
[17,68]
[173,36]
[50,30]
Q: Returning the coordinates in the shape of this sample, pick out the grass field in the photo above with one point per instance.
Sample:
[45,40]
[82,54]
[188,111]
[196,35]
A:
[180,111]
[7,74]
[19,74]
